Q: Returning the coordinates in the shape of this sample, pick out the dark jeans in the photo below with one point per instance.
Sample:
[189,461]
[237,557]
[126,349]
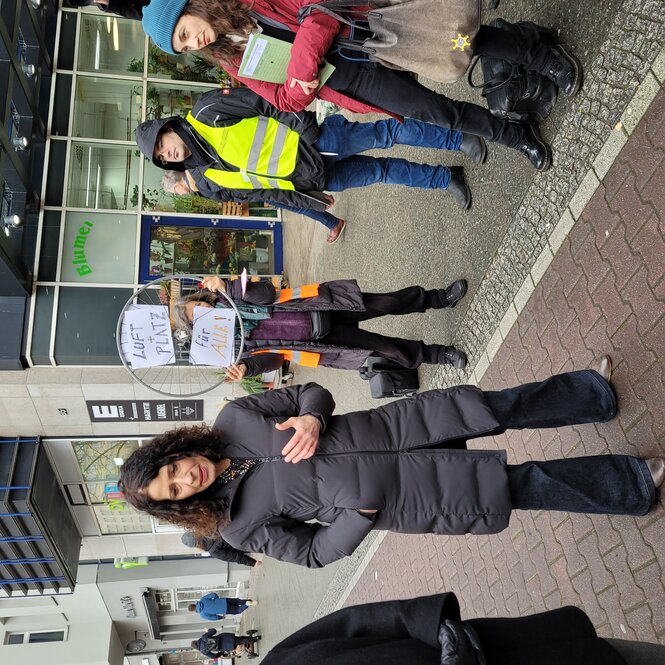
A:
[612,484]
[406,352]
[235,605]
[398,92]
[601,484]
[571,398]
[341,140]
[245,640]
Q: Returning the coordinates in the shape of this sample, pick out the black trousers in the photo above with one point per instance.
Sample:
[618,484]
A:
[602,484]
[406,352]
[398,92]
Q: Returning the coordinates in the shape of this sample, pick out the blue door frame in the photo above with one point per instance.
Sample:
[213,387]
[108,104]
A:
[233,223]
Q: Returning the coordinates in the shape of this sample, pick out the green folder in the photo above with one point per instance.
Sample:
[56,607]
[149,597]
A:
[266,59]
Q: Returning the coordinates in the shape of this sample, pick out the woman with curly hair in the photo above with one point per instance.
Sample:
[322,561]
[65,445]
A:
[403,467]
[220,28]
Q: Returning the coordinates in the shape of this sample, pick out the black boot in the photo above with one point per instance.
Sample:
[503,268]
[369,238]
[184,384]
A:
[455,292]
[458,188]
[534,148]
[564,69]
[474,147]
[449,355]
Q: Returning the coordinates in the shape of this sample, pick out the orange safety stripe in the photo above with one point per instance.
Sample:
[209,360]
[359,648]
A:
[306,291]
[304,358]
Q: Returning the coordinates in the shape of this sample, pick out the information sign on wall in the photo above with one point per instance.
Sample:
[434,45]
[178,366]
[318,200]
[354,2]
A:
[144,410]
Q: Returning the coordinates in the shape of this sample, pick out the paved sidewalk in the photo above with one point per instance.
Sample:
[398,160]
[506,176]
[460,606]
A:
[603,292]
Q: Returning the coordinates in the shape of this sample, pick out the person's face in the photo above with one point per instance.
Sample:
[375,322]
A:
[191,304]
[170,147]
[181,188]
[192,33]
[182,479]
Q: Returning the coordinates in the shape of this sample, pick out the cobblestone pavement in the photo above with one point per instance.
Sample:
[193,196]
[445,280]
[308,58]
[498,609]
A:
[603,292]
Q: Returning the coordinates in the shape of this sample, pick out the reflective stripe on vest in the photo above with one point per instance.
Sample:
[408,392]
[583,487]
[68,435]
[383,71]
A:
[263,149]
[304,358]
[306,291]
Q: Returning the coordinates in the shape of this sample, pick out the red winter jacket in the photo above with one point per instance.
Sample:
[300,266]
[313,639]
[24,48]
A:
[313,40]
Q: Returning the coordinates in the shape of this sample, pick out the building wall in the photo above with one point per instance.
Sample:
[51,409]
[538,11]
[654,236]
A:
[83,615]
[30,401]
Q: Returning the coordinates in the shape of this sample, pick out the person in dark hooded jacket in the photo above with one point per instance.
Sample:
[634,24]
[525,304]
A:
[239,147]
[402,467]
[429,631]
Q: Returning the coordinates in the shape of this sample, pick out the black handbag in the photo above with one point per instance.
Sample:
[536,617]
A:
[512,92]
[389,379]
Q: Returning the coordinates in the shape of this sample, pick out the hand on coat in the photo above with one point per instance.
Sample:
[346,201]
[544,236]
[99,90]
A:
[235,373]
[367,512]
[302,445]
[213,283]
[308,87]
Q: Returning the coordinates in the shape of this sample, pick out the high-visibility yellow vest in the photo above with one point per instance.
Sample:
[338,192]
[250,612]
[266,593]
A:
[263,149]
[304,358]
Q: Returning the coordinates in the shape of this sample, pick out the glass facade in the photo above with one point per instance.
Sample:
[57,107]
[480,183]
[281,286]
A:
[98,234]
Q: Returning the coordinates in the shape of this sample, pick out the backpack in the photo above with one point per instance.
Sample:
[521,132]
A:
[512,92]
[389,379]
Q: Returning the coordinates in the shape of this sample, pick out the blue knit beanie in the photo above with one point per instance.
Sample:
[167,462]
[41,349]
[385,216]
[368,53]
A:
[159,19]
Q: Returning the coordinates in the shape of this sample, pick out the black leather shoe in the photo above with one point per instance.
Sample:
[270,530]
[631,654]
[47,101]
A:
[458,188]
[452,356]
[455,292]
[535,149]
[474,147]
[564,69]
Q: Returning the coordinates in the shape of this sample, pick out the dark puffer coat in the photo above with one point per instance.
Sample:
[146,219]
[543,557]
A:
[405,632]
[386,459]
[340,295]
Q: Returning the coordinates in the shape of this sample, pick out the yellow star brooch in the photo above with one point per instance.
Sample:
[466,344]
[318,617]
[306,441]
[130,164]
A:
[460,42]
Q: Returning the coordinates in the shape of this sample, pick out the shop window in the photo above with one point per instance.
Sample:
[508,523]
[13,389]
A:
[165,100]
[110,44]
[86,324]
[99,463]
[100,176]
[106,108]
[99,248]
[207,249]
[188,67]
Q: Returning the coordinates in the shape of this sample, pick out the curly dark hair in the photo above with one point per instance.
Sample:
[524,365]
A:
[227,17]
[202,513]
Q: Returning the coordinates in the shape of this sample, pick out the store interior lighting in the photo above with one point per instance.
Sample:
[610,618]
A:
[20,142]
[11,222]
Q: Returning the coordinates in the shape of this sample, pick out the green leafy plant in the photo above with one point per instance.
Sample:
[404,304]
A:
[253,385]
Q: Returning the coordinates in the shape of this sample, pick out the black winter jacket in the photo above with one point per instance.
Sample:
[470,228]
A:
[387,459]
[405,632]
[225,107]
[337,295]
